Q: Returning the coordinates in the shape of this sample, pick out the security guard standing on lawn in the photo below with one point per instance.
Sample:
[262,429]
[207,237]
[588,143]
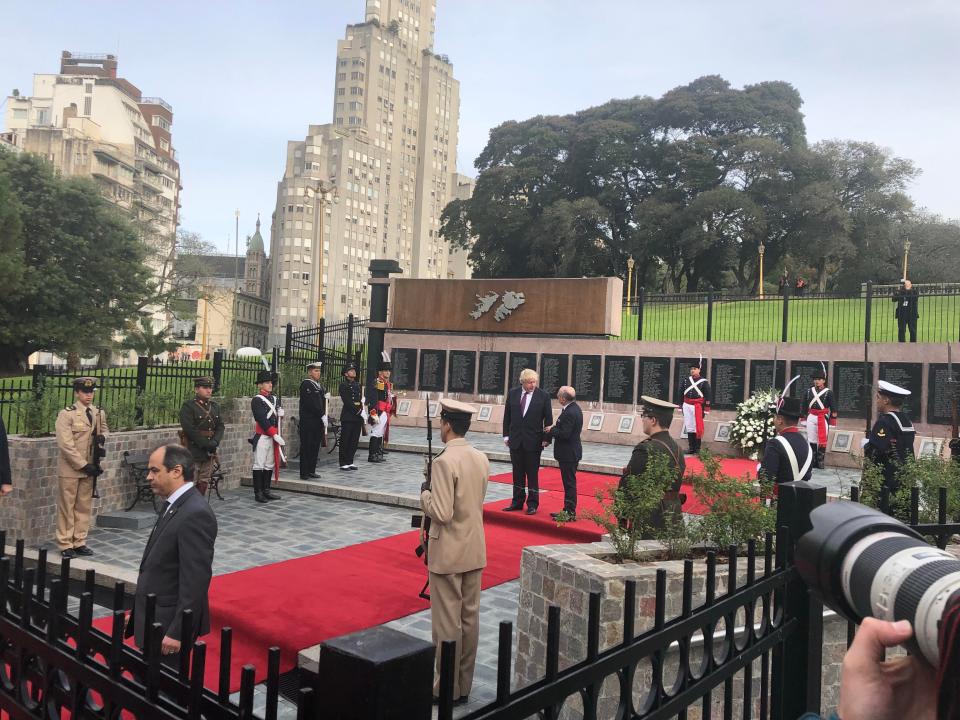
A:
[891,439]
[80,430]
[456,548]
[313,421]
[656,418]
[201,430]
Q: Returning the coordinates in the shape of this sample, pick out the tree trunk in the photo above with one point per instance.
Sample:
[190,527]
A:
[73,362]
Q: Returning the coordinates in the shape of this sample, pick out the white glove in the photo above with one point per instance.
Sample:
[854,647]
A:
[864,442]
[279,440]
[281,412]
[326,421]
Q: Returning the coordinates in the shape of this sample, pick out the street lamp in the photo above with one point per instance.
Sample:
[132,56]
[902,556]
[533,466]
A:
[906,255]
[760,249]
[630,264]
[324,193]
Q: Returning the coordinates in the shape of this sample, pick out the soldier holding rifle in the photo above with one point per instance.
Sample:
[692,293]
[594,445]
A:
[81,433]
[457,553]
[201,430]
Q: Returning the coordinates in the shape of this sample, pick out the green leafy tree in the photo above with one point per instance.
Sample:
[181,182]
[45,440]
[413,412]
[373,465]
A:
[78,266]
[145,340]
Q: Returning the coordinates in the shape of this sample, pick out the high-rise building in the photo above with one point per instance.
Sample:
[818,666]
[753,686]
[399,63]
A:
[458,265]
[87,121]
[374,182]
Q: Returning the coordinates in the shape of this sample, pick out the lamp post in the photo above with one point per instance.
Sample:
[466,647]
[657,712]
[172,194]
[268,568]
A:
[630,264]
[760,249]
[323,193]
[906,255]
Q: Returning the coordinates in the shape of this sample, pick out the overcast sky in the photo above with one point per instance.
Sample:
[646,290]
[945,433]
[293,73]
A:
[246,77]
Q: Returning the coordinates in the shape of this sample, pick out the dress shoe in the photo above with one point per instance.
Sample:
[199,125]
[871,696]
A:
[83,550]
[346,467]
[315,476]
[462,700]
[353,467]
[512,508]
[531,511]
[69,553]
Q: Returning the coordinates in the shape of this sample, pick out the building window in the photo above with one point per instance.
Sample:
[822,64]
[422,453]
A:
[87,105]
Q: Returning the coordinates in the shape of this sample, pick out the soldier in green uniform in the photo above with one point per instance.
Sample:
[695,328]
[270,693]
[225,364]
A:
[656,418]
[201,430]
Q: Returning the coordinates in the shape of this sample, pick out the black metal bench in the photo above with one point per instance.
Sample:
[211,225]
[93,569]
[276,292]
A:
[215,479]
[138,463]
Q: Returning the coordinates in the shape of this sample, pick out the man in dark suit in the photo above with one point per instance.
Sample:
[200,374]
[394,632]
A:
[525,415]
[177,561]
[567,450]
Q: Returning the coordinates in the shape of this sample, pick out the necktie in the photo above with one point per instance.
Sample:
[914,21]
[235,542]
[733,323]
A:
[90,416]
[523,404]
[163,509]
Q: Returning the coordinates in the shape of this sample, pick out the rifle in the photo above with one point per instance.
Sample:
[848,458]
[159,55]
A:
[99,451]
[423,521]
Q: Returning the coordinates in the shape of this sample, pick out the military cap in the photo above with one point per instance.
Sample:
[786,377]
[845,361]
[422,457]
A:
[203,381]
[85,384]
[790,407]
[384,363]
[348,367]
[456,410]
[891,390]
[818,375]
[266,376]
[652,403]
[317,364]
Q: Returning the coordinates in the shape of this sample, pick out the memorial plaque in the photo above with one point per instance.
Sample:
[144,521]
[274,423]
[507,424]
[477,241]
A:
[761,375]
[805,369]
[404,374]
[681,371]
[727,380]
[654,378]
[586,377]
[462,372]
[518,362]
[618,376]
[554,372]
[908,376]
[493,373]
[940,393]
[433,364]
[849,379]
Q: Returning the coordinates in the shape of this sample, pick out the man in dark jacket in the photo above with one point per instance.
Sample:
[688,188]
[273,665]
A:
[177,562]
[201,430]
[351,416]
[907,311]
[313,414]
[567,448]
[891,439]
[656,418]
[788,456]
[526,413]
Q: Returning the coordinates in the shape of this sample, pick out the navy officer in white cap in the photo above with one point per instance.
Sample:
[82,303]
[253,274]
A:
[891,439]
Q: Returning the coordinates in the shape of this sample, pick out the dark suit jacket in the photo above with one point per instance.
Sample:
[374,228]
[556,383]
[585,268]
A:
[526,431]
[566,432]
[177,566]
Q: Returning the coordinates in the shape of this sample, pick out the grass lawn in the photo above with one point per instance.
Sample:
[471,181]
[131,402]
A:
[829,320]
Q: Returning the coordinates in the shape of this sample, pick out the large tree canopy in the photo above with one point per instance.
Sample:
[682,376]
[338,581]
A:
[690,185]
[71,267]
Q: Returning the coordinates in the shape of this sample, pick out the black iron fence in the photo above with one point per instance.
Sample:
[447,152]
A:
[135,395]
[334,344]
[789,317]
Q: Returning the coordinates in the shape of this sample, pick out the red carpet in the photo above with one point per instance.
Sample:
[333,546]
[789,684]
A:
[298,603]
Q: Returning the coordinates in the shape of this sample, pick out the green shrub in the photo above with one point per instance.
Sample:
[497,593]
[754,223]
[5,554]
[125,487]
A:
[928,474]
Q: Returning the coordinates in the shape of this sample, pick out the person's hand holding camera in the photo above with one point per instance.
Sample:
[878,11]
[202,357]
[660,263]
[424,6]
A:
[874,689]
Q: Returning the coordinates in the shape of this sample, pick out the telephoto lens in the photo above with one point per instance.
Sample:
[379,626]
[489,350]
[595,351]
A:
[863,563]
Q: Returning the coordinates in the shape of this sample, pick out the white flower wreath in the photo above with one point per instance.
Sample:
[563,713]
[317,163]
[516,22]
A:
[754,423]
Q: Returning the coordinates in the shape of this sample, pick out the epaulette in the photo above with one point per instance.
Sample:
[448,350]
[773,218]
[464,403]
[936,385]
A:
[72,407]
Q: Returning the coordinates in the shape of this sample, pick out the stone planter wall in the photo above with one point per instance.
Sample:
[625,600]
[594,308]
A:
[565,575]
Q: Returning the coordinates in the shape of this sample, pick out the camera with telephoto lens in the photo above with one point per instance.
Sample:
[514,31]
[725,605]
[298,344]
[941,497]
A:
[863,563]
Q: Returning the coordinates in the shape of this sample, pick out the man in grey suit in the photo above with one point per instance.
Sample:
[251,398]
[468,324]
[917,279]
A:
[567,450]
[177,561]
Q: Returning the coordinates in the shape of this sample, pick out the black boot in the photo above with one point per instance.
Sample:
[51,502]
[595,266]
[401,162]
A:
[699,445]
[267,479]
[692,444]
[821,457]
[258,486]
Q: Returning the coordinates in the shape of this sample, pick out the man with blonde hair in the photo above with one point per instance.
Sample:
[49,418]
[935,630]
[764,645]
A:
[526,413]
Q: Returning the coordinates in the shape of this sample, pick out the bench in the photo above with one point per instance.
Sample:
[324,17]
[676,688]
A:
[137,462]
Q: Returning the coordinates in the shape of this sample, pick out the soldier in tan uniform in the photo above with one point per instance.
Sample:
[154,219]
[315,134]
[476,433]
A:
[78,428]
[456,550]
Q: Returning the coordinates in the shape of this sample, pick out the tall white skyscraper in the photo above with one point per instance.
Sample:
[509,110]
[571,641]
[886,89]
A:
[383,171]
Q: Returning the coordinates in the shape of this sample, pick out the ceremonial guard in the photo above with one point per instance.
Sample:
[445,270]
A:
[267,441]
[456,548]
[695,401]
[656,418]
[201,430]
[821,412]
[351,416]
[381,404]
[313,421]
[891,439]
[788,456]
[81,430]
